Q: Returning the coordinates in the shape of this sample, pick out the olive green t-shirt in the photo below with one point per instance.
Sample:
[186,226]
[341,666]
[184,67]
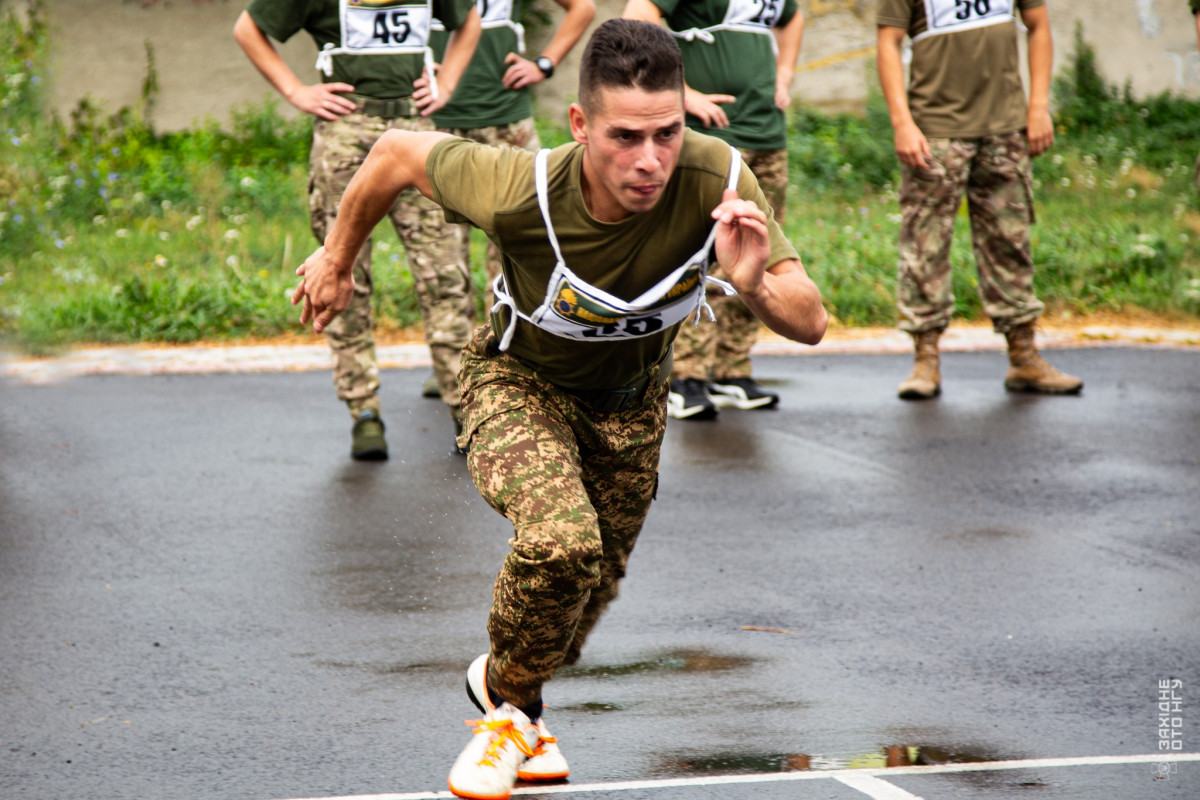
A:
[481,100]
[965,83]
[493,189]
[736,62]
[373,75]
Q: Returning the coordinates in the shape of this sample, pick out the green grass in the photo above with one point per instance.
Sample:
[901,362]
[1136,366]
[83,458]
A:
[111,232]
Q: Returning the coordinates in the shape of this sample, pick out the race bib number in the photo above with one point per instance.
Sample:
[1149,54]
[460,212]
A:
[579,315]
[945,16]
[761,13]
[494,11]
[383,25]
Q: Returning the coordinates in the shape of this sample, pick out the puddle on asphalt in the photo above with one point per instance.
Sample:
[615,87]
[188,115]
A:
[757,763]
[391,668]
[592,708]
[672,661]
[975,535]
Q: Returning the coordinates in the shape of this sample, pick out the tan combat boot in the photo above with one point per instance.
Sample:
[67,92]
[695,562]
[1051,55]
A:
[925,381]
[1029,372]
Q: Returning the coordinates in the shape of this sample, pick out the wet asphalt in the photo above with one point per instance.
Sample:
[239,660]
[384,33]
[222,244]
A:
[202,596]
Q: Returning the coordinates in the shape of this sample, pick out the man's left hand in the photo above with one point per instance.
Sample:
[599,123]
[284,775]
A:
[1040,131]
[742,242]
[427,95]
[521,72]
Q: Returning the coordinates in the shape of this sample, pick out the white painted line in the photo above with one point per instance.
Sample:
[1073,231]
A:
[812,775]
[875,788]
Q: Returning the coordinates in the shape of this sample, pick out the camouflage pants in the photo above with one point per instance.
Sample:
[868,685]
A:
[576,484]
[439,272]
[994,173]
[519,135]
[722,350]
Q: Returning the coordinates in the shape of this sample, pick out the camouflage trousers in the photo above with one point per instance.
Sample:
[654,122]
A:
[439,272]
[994,173]
[576,484]
[721,350]
[519,135]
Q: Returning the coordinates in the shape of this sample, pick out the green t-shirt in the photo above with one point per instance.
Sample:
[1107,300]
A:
[480,100]
[493,189]
[964,83]
[1195,6]
[737,62]
[373,75]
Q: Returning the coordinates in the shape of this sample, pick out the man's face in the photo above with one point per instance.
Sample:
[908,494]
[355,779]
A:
[632,140]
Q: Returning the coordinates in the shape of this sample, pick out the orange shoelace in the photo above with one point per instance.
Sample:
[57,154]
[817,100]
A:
[505,731]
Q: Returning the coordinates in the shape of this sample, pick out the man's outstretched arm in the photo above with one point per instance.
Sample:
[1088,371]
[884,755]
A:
[396,162]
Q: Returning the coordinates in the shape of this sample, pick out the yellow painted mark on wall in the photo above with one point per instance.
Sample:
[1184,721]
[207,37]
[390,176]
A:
[817,8]
[836,58]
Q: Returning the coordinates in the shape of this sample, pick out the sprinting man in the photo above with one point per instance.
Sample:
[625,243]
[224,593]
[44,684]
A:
[606,246]
[739,57]
[963,124]
[382,77]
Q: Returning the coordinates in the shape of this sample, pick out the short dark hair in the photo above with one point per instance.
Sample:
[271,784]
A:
[628,54]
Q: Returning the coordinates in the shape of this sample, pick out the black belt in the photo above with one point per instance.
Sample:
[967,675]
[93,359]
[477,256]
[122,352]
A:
[389,108]
[609,400]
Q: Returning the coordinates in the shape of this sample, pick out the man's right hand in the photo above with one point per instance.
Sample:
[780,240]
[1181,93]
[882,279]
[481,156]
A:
[324,290]
[706,107]
[323,100]
[912,148]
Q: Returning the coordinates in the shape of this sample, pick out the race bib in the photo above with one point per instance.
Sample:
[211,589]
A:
[494,12]
[381,26]
[583,312]
[947,16]
[758,13]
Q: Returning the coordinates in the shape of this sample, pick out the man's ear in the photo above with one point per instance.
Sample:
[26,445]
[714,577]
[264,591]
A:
[578,120]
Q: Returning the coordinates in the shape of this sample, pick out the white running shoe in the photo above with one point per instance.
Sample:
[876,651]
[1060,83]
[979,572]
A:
[547,762]
[487,767]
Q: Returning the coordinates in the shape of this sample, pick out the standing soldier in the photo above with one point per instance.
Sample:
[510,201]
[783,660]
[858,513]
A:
[963,124]
[493,103]
[738,60]
[377,55]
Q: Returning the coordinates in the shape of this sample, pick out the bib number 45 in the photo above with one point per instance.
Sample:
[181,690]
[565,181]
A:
[391,27]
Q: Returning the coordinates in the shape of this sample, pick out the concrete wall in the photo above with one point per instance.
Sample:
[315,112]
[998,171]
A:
[99,49]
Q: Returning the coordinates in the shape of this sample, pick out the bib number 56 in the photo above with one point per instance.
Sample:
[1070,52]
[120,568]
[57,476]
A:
[965,9]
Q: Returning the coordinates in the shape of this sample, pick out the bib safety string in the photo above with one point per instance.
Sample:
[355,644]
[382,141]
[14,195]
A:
[692,34]
[702,306]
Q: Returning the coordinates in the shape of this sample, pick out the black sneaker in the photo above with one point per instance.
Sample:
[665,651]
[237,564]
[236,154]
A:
[367,442]
[688,400]
[741,393]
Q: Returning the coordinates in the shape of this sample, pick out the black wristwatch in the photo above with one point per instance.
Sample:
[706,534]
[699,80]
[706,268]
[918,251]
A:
[545,65]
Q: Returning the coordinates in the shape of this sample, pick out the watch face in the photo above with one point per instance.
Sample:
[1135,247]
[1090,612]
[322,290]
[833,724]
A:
[545,65]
